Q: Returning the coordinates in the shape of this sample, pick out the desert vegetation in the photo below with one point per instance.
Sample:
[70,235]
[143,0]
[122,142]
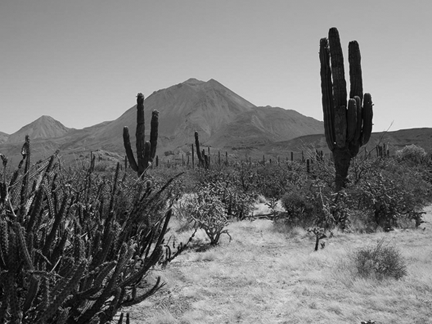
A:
[239,242]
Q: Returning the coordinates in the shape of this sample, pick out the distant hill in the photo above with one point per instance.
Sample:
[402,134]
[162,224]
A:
[44,127]
[395,140]
[3,137]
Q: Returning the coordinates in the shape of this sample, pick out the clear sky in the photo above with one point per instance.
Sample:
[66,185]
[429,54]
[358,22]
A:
[83,62]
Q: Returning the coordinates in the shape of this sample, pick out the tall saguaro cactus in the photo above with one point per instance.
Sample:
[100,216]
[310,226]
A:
[347,125]
[146,151]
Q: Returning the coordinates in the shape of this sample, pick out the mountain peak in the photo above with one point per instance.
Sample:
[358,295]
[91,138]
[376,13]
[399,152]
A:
[42,128]
[193,81]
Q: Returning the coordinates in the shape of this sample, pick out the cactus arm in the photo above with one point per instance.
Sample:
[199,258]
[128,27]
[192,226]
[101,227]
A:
[327,95]
[144,296]
[359,120]
[140,134]
[351,120]
[154,124]
[367,118]
[25,151]
[128,148]
[23,246]
[78,271]
[339,88]
[337,67]
[58,218]
[197,146]
[108,290]
[31,295]
[4,240]
[147,152]
[355,71]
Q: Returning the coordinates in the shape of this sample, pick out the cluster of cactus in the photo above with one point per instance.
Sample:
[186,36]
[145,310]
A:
[347,126]
[146,151]
[203,159]
[74,247]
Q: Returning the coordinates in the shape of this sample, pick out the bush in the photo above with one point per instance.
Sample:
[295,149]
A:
[390,192]
[380,261]
[411,153]
[273,181]
[226,184]
[298,207]
[208,213]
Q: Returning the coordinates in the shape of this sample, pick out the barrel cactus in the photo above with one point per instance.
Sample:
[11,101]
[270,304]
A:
[347,123]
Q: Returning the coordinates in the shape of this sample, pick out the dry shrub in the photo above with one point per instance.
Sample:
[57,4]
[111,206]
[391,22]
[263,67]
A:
[379,261]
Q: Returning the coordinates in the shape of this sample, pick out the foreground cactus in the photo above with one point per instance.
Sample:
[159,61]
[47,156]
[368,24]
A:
[146,151]
[347,126]
[81,246]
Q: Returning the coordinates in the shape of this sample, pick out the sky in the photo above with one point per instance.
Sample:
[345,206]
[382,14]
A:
[83,62]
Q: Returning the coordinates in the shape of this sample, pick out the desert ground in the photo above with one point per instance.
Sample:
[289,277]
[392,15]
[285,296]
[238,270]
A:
[269,275]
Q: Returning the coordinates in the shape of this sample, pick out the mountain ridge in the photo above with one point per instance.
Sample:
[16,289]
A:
[223,119]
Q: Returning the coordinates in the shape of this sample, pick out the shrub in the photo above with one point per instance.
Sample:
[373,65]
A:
[208,212]
[298,207]
[273,181]
[379,261]
[226,185]
[391,192]
[184,208]
[411,153]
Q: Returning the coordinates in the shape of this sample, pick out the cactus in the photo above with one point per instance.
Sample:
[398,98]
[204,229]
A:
[81,249]
[146,151]
[197,145]
[203,159]
[347,125]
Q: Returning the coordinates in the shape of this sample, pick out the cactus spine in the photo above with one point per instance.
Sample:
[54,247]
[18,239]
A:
[146,151]
[347,124]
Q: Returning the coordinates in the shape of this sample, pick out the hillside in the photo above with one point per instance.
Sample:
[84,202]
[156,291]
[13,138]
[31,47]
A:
[395,140]
[44,127]
[183,108]
[3,137]
[263,125]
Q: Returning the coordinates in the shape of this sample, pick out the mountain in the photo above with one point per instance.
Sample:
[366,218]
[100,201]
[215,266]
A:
[262,125]
[223,119]
[183,109]
[3,137]
[44,127]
